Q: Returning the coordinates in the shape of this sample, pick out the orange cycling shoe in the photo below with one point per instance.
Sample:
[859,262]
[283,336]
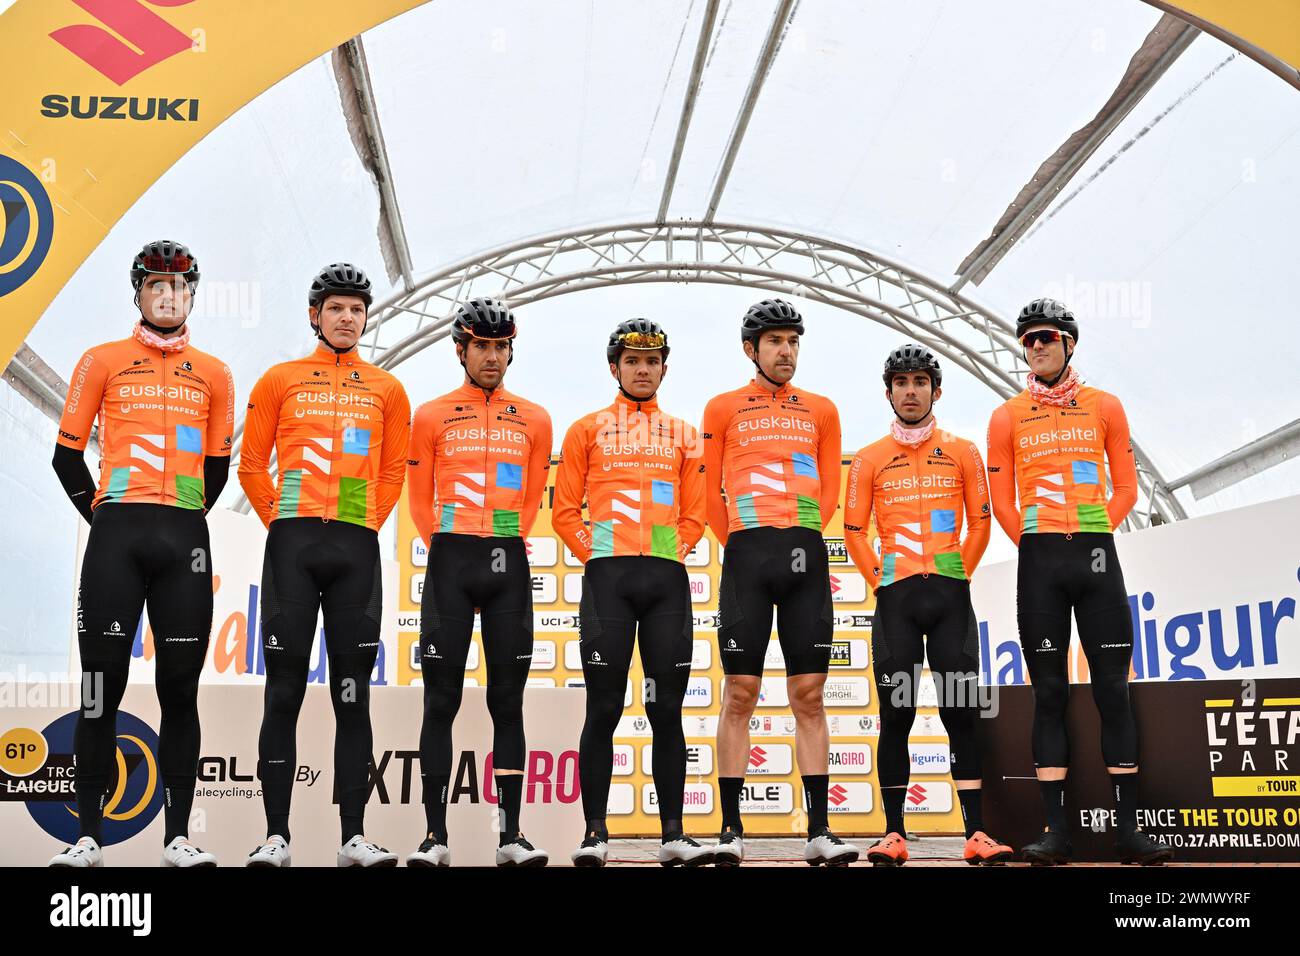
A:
[891,851]
[983,850]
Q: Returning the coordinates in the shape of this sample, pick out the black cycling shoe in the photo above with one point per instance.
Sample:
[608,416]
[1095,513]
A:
[1050,849]
[1137,847]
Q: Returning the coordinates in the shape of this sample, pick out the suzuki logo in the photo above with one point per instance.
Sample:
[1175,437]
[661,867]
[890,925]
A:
[757,757]
[149,38]
[916,794]
[837,795]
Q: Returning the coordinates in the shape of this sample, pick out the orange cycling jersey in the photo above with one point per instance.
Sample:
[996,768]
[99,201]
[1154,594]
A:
[339,427]
[776,454]
[160,413]
[642,474]
[478,464]
[919,496]
[1054,458]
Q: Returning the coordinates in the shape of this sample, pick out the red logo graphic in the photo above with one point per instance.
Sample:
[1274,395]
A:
[835,585]
[149,38]
[837,795]
[916,794]
[757,757]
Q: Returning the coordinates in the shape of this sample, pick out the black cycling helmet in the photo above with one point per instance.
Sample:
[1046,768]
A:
[339,278]
[910,357]
[483,319]
[163,257]
[769,314]
[1050,312]
[638,335]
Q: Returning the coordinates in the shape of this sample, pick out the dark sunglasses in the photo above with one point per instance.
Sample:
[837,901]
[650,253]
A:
[1046,336]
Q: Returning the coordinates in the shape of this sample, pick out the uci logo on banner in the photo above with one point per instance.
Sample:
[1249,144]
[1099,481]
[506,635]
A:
[26,224]
[131,40]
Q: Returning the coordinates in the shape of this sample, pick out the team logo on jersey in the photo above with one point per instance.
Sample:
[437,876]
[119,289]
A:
[938,452]
[511,410]
[985,507]
[187,367]
[355,376]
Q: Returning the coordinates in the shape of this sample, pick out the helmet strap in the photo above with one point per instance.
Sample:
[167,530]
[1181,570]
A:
[1069,354]
[774,382]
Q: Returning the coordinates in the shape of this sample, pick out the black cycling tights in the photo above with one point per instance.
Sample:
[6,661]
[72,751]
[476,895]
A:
[313,565]
[1057,572]
[138,554]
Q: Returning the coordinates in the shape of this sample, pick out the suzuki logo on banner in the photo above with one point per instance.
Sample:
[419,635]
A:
[149,39]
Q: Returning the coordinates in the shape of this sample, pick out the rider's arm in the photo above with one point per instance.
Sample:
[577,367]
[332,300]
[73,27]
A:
[691,519]
[539,464]
[392,456]
[259,437]
[1119,454]
[85,393]
[570,487]
[829,454]
[220,437]
[975,492]
[857,518]
[1002,474]
[713,430]
[421,458]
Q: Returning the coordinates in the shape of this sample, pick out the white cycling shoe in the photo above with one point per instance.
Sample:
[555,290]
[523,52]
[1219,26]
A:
[181,852]
[519,852]
[273,853]
[361,852]
[430,853]
[826,849]
[84,853]
[684,851]
[729,850]
[593,852]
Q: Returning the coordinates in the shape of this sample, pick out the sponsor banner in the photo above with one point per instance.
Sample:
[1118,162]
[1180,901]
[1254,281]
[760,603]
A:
[851,654]
[540,682]
[543,656]
[699,556]
[419,553]
[852,620]
[762,797]
[573,655]
[622,800]
[697,798]
[774,657]
[770,759]
[624,763]
[699,759]
[1192,619]
[573,588]
[926,695]
[701,655]
[844,797]
[928,725]
[544,588]
[1219,779]
[570,560]
[853,725]
[837,553]
[928,797]
[541,552]
[850,759]
[928,758]
[699,692]
[772,692]
[701,587]
[700,725]
[633,725]
[36,774]
[848,587]
[847,691]
[578,682]
[771,725]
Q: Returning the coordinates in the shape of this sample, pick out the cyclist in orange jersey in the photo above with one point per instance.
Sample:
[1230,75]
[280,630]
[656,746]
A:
[775,450]
[921,485]
[1049,448]
[165,414]
[478,463]
[640,472]
[339,426]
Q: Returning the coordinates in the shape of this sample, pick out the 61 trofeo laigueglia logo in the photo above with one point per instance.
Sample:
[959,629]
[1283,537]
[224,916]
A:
[130,39]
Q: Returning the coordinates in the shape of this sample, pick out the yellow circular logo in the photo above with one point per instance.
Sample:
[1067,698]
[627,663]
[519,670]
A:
[22,751]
